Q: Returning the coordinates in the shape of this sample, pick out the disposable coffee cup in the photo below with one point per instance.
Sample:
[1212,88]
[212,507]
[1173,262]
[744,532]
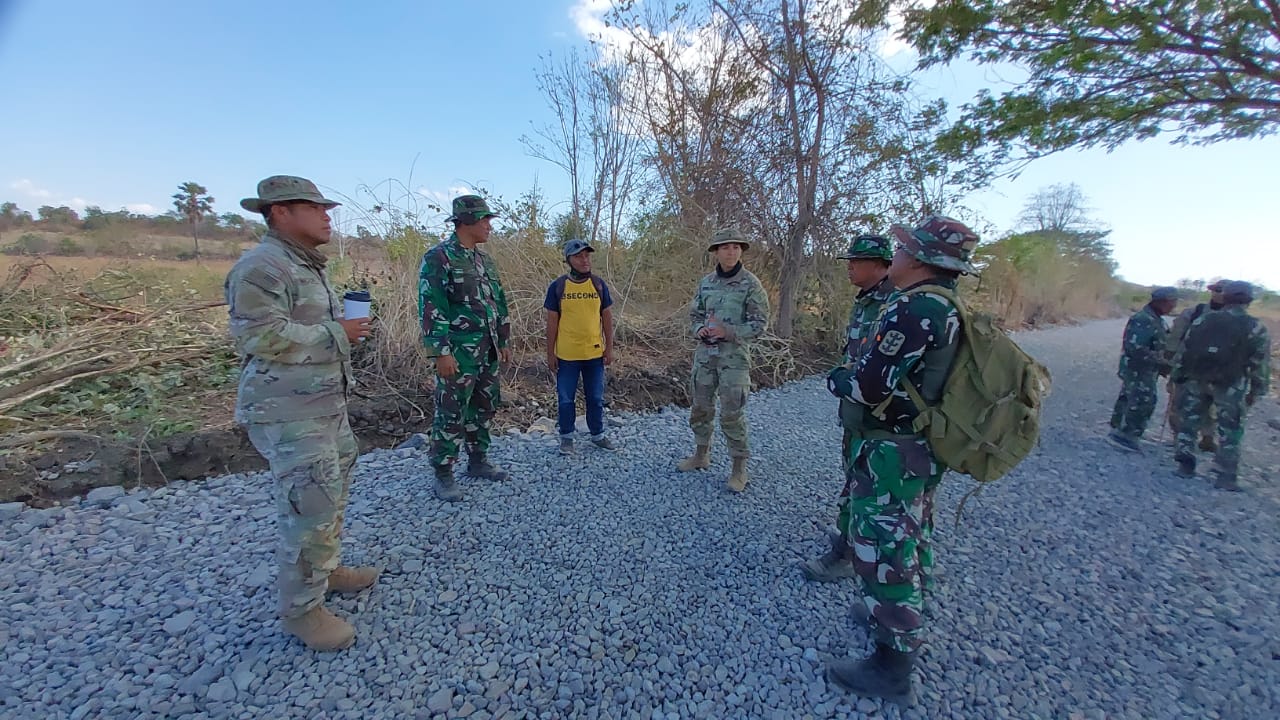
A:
[355,304]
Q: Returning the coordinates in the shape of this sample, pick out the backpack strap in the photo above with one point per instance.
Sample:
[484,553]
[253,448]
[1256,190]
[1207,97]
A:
[598,284]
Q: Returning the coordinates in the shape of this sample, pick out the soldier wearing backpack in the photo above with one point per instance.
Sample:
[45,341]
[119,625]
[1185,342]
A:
[892,471]
[1179,333]
[1224,361]
[869,257]
[1142,360]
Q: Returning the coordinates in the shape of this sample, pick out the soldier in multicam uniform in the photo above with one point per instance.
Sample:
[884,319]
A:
[292,399]
[465,327]
[891,472]
[1142,359]
[869,257]
[1181,324]
[1234,383]
[729,309]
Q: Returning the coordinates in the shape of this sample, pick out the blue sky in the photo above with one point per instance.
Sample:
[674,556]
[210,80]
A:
[114,104]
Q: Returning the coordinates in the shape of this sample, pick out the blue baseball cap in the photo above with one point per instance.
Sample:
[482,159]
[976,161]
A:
[575,246]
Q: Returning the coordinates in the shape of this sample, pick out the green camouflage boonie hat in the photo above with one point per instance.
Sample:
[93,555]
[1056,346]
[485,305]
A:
[939,241]
[470,208]
[874,247]
[285,188]
[726,236]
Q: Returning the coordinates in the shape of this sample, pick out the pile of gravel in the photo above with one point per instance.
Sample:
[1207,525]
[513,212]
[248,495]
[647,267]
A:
[1090,584]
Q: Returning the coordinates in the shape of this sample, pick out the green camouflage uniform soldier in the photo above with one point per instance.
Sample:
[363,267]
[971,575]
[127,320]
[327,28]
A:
[868,268]
[1181,324]
[892,473]
[1142,359]
[1233,382]
[729,310]
[465,327]
[292,400]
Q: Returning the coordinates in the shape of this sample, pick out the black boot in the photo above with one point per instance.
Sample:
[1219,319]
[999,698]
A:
[478,466]
[1227,481]
[885,675]
[1186,465]
[835,565]
[445,486]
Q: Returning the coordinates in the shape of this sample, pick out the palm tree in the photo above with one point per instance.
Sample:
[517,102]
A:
[193,203]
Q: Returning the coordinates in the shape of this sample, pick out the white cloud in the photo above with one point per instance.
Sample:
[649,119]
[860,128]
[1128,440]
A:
[76,203]
[141,208]
[30,189]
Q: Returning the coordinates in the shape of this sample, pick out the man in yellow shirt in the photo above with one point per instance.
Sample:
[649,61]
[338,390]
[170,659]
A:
[579,343]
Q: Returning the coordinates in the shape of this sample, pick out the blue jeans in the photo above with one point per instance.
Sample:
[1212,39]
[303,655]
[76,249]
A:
[592,373]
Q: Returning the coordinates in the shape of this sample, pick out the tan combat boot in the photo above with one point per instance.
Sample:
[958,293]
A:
[352,579]
[699,460]
[321,630]
[738,477]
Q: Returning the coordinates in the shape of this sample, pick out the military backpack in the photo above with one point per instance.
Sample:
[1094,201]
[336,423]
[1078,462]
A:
[1216,348]
[988,418]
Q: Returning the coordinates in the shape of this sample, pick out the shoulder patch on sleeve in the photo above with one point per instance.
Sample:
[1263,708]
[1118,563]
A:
[891,343]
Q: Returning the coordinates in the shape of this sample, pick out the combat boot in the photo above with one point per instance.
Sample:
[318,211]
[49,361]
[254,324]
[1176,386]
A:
[446,487]
[352,579]
[478,466]
[1124,441]
[1226,481]
[1186,465]
[886,675]
[321,630]
[738,476]
[699,460]
[835,565]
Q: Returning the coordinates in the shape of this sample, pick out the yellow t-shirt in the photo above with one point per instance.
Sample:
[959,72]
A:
[580,335]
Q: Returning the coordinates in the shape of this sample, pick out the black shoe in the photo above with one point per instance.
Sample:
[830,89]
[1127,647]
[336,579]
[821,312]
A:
[478,466]
[885,675]
[1186,465]
[1124,442]
[1226,482]
[446,487]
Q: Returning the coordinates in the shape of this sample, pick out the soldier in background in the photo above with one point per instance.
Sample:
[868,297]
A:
[1142,360]
[1225,360]
[465,327]
[869,257]
[729,309]
[1179,332]
[292,399]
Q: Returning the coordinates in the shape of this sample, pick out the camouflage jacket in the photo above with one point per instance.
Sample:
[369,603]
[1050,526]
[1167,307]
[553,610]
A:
[739,304]
[296,357]
[1182,324]
[1257,373]
[863,315]
[916,338]
[461,303]
[1145,342]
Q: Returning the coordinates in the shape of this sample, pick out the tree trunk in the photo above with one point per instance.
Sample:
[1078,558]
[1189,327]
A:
[195,238]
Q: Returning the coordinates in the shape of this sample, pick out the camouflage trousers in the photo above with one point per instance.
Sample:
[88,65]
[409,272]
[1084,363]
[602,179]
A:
[887,518]
[1136,402]
[465,405]
[1208,422]
[727,377]
[1196,399]
[311,463]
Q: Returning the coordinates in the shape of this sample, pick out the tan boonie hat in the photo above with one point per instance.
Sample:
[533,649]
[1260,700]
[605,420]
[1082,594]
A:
[726,236]
[285,188]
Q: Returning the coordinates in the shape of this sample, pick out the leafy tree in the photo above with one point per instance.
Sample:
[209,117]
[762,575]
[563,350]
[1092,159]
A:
[61,215]
[1060,214]
[12,216]
[193,203]
[1105,71]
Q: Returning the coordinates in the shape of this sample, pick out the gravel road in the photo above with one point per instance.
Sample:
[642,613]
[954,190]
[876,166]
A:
[1091,583]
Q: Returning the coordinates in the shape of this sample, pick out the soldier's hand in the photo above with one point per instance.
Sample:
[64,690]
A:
[553,363]
[715,332]
[608,356]
[357,329]
[504,356]
[446,366]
